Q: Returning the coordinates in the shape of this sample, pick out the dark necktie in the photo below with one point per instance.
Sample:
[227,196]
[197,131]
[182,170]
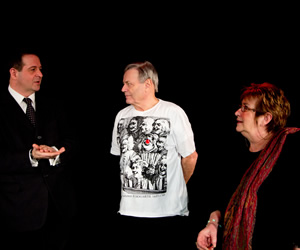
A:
[30,111]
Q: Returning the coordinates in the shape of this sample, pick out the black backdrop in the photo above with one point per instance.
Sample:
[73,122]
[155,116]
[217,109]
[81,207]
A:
[203,71]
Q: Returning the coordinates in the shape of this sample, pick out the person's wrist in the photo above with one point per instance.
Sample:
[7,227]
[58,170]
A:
[32,157]
[213,222]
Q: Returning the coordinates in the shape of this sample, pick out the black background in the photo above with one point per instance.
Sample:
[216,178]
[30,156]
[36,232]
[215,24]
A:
[204,57]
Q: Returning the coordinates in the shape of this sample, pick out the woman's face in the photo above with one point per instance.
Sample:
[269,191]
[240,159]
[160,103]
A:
[247,124]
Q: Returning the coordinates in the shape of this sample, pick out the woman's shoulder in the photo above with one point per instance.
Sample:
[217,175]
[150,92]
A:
[290,150]
[292,139]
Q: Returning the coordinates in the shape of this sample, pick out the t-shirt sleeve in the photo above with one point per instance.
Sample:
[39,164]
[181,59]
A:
[183,133]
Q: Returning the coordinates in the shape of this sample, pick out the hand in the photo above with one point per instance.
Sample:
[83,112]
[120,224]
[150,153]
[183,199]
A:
[45,152]
[207,238]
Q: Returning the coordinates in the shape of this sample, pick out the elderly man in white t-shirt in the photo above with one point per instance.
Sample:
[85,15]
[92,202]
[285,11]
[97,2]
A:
[153,214]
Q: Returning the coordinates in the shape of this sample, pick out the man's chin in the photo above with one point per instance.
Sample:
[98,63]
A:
[37,88]
[128,101]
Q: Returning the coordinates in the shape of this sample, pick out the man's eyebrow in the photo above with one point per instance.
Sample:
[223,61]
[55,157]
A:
[35,67]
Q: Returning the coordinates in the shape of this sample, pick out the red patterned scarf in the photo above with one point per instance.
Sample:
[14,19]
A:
[240,214]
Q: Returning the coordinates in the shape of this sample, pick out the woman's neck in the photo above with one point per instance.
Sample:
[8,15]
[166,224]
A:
[259,143]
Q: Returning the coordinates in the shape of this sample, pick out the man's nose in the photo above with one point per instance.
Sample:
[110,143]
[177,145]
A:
[124,88]
[39,73]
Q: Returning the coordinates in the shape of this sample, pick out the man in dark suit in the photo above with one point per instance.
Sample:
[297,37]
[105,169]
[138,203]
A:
[36,195]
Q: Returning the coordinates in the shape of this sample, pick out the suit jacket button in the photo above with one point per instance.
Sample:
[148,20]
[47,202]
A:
[39,137]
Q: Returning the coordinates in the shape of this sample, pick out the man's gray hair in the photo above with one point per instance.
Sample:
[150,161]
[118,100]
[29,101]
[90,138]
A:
[146,71]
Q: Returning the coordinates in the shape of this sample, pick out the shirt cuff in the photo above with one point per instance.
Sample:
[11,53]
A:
[56,160]
[34,162]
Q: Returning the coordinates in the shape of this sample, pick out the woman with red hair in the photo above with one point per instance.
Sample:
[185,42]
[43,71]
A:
[263,211]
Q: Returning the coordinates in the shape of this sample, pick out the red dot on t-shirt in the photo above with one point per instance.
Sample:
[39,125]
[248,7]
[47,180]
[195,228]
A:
[147,141]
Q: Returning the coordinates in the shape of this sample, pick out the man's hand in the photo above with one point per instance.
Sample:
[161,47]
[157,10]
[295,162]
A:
[45,152]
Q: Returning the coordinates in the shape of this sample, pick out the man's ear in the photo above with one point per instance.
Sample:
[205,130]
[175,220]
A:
[149,84]
[13,73]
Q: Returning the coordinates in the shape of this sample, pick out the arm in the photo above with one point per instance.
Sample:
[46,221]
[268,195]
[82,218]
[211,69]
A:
[188,165]
[207,238]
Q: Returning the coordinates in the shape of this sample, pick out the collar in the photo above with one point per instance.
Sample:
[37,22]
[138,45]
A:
[19,98]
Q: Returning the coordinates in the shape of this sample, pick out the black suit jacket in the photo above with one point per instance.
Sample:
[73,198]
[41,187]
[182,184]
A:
[25,190]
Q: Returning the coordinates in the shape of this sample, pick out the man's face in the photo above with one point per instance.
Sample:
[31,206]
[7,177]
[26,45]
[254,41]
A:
[28,80]
[133,89]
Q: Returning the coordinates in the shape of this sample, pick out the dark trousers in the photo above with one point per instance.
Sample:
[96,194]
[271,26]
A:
[154,233]
[54,235]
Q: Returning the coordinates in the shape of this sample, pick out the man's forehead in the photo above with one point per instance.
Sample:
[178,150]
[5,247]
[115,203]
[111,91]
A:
[31,60]
[130,75]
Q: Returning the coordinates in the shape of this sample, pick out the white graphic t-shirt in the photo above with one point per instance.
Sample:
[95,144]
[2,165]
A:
[150,144]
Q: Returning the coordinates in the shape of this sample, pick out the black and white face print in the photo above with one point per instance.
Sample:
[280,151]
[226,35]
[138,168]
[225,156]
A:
[143,162]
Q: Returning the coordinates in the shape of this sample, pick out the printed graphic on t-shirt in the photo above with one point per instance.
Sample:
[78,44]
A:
[143,154]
